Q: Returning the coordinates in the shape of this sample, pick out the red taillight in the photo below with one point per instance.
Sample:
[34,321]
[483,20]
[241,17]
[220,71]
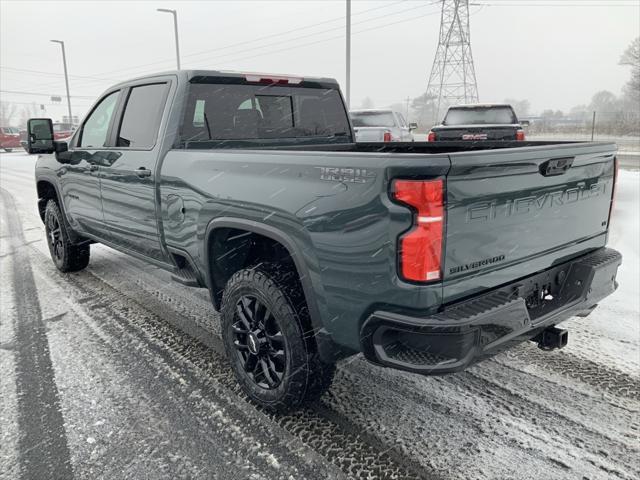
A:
[520,135]
[386,137]
[431,137]
[421,247]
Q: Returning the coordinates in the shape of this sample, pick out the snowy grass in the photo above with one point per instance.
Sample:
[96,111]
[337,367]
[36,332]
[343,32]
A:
[612,331]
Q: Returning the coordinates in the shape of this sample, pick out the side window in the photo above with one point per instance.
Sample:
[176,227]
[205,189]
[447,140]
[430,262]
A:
[95,128]
[198,114]
[142,115]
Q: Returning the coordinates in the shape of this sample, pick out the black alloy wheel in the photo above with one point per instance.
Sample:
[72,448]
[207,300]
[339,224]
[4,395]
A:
[268,338]
[54,238]
[259,342]
[66,255]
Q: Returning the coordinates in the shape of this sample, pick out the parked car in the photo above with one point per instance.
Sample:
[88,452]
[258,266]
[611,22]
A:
[425,257]
[9,138]
[478,122]
[381,126]
[63,130]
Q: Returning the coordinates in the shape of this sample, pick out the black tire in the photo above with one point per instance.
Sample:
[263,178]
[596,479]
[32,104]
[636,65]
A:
[281,344]
[66,256]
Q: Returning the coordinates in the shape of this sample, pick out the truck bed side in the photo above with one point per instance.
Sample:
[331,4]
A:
[332,208]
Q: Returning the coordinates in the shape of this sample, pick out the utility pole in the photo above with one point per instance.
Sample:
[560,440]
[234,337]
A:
[453,76]
[66,77]
[408,99]
[348,83]
[175,29]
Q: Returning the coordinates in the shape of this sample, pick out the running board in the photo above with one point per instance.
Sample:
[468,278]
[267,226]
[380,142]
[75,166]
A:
[186,276]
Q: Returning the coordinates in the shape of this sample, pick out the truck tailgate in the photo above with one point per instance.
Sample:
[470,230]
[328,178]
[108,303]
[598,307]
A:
[477,132]
[513,212]
[370,134]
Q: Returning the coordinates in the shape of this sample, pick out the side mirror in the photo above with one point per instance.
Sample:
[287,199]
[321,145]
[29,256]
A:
[61,149]
[413,126]
[40,135]
[525,123]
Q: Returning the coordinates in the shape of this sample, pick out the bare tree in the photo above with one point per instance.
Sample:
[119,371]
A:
[604,102]
[521,107]
[27,112]
[423,110]
[631,57]
[367,103]
[7,113]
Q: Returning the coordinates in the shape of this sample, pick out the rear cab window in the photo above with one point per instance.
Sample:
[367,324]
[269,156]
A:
[142,115]
[479,115]
[236,113]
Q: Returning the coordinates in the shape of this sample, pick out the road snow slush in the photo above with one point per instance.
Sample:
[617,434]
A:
[526,414]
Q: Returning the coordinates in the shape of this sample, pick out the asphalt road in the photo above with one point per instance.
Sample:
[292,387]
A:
[116,372]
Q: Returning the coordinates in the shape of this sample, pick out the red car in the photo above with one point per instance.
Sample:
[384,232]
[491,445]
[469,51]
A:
[9,138]
[62,130]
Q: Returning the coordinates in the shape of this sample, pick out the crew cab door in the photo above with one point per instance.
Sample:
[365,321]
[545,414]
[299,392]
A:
[128,184]
[79,178]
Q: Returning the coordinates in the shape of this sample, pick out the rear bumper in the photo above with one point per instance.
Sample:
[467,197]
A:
[469,331]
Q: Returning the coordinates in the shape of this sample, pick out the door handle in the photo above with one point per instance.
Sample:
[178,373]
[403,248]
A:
[143,172]
[556,166]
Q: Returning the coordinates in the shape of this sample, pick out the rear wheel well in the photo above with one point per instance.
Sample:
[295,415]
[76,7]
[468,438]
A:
[233,249]
[46,192]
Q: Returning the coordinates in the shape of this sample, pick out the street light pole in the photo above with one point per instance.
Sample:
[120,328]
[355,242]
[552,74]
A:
[348,83]
[175,28]
[66,77]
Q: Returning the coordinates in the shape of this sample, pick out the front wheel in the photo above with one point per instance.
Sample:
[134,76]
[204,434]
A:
[66,256]
[264,336]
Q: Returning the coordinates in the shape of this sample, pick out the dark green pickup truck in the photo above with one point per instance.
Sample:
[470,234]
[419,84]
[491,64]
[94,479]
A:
[425,257]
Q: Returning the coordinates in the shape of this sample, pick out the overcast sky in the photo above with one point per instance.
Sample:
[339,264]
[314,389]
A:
[555,53]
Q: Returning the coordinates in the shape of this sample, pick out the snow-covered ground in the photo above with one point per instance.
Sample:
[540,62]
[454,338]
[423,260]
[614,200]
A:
[612,331]
[99,380]
[626,143]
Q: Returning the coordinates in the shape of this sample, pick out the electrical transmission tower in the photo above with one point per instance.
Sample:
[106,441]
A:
[453,77]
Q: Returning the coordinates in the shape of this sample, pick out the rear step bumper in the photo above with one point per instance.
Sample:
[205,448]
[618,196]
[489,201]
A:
[469,331]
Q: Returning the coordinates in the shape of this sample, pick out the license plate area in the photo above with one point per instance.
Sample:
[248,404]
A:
[553,289]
